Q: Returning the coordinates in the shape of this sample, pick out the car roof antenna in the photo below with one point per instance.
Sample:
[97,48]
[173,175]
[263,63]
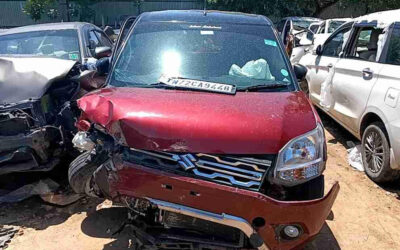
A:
[205,8]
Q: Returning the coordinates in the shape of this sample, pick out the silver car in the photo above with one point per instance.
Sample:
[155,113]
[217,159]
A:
[354,77]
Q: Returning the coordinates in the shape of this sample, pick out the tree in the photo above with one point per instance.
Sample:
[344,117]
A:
[36,8]
[280,8]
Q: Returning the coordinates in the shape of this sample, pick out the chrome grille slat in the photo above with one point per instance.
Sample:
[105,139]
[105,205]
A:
[246,173]
[223,169]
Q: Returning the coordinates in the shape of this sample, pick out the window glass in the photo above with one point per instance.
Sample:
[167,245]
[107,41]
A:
[334,46]
[366,44]
[104,41]
[93,40]
[217,55]
[393,54]
[322,29]
[334,25]
[280,25]
[62,44]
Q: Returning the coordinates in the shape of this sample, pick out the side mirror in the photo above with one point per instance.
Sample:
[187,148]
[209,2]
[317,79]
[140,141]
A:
[101,52]
[300,71]
[318,51]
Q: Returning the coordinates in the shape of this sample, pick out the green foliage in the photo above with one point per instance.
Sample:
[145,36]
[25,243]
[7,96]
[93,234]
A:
[279,8]
[36,8]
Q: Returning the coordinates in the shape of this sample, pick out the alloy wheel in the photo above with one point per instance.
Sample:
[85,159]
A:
[374,152]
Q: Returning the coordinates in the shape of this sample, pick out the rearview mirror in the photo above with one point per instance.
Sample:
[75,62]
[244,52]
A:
[101,52]
[318,51]
[300,71]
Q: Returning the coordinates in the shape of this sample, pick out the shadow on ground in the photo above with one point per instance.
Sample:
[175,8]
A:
[340,134]
[108,223]
[324,240]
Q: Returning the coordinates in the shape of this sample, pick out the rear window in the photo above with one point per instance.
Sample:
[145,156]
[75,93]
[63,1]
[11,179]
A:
[62,44]
[242,55]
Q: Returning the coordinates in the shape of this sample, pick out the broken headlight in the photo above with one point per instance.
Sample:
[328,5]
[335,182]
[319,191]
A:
[301,159]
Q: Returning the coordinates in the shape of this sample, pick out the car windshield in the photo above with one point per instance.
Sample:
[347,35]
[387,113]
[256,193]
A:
[333,25]
[62,44]
[302,24]
[240,55]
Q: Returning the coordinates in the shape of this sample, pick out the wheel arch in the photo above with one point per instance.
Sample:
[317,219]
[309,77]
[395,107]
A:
[370,117]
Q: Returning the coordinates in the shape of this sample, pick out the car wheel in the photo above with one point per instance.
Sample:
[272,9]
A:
[376,154]
[80,172]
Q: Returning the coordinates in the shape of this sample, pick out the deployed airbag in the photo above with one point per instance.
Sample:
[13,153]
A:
[258,69]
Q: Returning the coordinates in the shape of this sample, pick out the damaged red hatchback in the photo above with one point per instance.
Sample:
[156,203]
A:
[203,134]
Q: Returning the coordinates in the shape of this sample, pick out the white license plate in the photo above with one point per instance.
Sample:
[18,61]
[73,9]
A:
[196,84]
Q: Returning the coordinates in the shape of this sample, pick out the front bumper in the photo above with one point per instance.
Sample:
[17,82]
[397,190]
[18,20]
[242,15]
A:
[28,152]
[223,203]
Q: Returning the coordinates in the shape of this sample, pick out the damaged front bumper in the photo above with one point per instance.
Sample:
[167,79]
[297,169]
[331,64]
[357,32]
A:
[261,218]
[28,152]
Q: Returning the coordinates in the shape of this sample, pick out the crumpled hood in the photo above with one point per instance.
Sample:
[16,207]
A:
[188,121]
[22,78]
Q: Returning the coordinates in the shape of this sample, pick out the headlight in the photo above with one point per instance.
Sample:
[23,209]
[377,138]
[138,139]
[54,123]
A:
[301,159]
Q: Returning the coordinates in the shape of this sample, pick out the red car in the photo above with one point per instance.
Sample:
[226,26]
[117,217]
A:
[203,133]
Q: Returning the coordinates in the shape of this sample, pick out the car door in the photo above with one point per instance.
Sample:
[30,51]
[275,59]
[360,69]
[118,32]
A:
[355,75]
[385,96]
[319,66]
[122,36]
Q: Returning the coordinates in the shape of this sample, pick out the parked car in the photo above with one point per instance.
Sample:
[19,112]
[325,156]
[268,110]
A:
[294,34]
[37,91]
[75,41]
[353,78]
[208,137]
[326,28]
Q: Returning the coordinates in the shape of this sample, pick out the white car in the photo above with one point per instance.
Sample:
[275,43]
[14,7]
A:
[326,28]
[354,77]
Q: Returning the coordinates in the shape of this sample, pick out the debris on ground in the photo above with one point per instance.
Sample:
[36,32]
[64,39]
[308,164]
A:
[354,156]
[6,235]
[41,187]
[104,204]
[61,199]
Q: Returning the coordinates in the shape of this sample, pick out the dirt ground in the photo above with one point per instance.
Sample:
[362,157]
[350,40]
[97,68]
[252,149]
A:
[366,216]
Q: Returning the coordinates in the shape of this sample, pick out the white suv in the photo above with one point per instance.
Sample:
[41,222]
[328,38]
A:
[355,78]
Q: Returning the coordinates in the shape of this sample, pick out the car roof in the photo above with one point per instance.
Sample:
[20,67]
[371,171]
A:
[383,18]
[45,26]
[201,16]
[299,18]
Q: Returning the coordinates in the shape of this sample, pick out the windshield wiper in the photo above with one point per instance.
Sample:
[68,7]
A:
[263,86]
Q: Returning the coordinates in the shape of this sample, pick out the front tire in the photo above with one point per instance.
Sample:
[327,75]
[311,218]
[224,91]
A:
[376,154]
[80,172]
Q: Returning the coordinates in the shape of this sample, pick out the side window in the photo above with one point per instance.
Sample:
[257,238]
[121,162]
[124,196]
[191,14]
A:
[104,41]
[93,42]
[334,46]
[280,25]
[365,46]
[393,52]
[322,29]
[286,30]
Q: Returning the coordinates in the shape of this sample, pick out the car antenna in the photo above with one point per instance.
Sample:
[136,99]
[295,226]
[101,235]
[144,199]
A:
[205,8]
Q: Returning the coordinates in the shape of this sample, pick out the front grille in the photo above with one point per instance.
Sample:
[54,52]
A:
[245,172]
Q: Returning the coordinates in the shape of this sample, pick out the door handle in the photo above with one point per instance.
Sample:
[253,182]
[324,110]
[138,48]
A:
[330,65]
[367,73]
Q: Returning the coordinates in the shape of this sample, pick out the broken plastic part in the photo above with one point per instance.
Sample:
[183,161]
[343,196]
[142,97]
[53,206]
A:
[82,142]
